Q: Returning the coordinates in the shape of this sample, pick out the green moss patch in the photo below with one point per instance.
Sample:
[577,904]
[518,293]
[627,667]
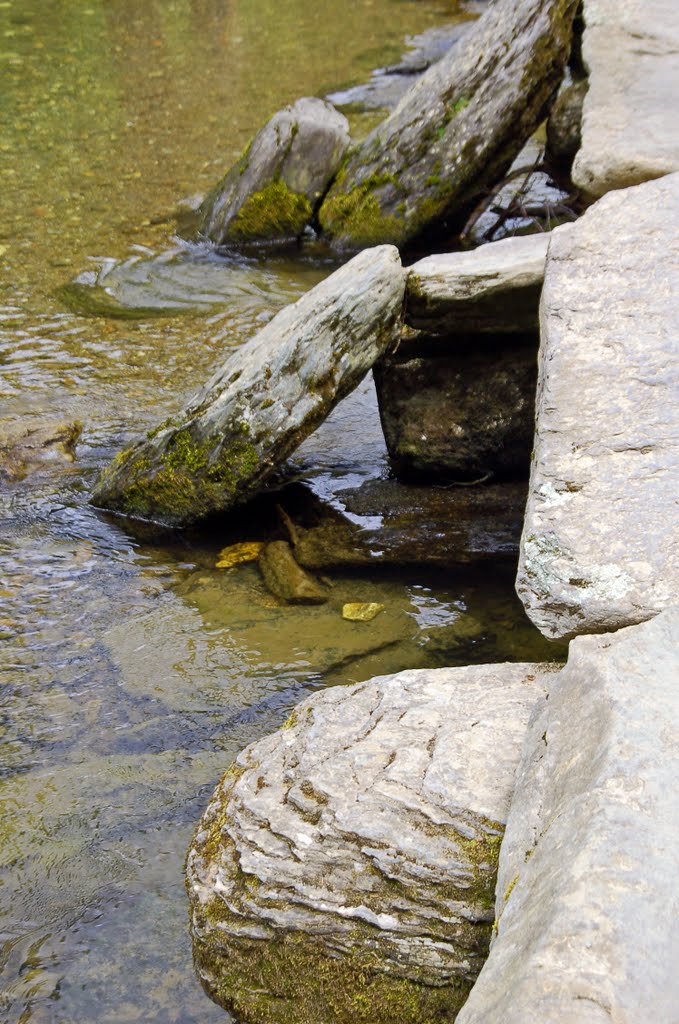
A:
[357,217]
[274,212]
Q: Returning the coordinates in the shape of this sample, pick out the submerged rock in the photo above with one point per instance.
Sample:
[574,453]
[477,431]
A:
[459,415]
[273,190]
[456,131]
[599,548]
[268,396]
[286,579]
[589,867]
[629,126]
[344,869]
[493,288]
[33,443]
[404,524]
[189,280]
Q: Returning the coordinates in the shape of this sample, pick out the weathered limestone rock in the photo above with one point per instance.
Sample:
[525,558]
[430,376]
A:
[589,866]
[599,547]
[413,525]
[564,124]
[456,130]
[285,577]
[271,193]
[493,288]
[268,396]
[465,415]
[629,129]
[345,866]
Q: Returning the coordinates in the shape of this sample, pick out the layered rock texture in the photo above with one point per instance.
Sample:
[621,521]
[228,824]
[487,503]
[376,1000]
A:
[629,129]
[456,130]
[599,547]
[345,867]
[587,887]
[495,288]
[268,396]
[271,193]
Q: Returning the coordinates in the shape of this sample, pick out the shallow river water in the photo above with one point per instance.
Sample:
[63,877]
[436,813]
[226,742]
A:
[133,670]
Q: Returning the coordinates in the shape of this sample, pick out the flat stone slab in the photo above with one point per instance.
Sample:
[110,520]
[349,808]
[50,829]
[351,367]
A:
[599,547]
[346,863]
[493,288]
[267,397]
[589,867]
[630,131]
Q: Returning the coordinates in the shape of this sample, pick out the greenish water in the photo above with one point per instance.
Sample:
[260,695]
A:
[132,670]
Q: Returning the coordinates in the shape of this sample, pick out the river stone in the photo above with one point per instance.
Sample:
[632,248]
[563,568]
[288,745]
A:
[493,288]
[589,867]
[465,415]
[344,869]
[271,193]
[456,131]
[285,577]
[599,547]
[267,397]
[629,128]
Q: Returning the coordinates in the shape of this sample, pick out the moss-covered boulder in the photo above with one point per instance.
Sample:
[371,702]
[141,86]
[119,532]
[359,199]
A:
[271,193]
[344,870]
[456,131]
[266,398]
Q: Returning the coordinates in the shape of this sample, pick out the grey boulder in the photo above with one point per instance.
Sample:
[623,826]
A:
[589,867]
[268,396]
[599,547]
[273,190]
[630,132]
[344,869]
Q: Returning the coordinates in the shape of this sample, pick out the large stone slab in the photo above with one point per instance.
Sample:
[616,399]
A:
[589,868]
[271,192]
[599,547]
[456,131]
[267,397]
[345,866]
[493,288]
[629,129]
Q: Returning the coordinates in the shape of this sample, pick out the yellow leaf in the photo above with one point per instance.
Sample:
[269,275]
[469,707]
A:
[238,553]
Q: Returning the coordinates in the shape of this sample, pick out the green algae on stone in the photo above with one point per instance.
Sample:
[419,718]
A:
[275,212]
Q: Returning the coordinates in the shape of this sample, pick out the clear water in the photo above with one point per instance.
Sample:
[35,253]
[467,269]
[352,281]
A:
[132,670]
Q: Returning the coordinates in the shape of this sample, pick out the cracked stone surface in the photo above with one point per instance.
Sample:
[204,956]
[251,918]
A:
[365,830]
[493,288]
[267,397]
[589,867]
[630,131]
[599,547]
